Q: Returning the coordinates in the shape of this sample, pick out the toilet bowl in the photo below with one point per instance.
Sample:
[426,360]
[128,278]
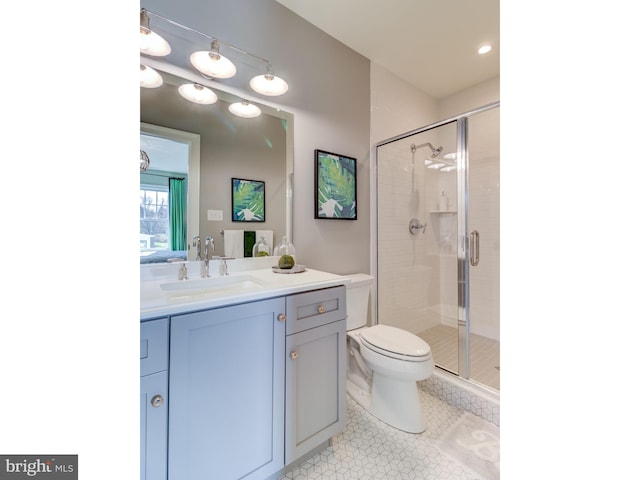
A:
[384,363]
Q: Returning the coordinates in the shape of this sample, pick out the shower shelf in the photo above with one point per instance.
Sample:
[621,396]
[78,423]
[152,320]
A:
[444,212]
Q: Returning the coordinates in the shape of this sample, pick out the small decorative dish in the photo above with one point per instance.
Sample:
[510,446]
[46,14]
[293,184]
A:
[294,269]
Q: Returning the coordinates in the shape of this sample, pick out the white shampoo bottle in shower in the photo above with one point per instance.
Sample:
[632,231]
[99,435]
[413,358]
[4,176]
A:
[443,202]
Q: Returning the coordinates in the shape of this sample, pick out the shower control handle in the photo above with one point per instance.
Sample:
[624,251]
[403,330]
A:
[474,250]
[415,225]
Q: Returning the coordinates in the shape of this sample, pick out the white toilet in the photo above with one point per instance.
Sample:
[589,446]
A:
[384,363]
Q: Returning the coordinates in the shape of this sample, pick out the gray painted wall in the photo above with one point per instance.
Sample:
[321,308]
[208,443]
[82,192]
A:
[329,95]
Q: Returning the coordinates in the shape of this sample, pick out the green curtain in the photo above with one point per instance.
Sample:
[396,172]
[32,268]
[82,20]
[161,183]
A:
[177,220]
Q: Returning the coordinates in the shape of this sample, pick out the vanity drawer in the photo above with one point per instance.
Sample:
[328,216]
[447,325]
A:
[312,309]
[154,346]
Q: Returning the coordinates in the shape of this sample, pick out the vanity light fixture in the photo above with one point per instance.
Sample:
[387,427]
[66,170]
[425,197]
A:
[149,78]
[150,42]
[211,64]
[269,84]
[144,161]
[196,93]
[244,109]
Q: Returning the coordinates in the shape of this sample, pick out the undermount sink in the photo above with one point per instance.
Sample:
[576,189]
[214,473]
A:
[211,286]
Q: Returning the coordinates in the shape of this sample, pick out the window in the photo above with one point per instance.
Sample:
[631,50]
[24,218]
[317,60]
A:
[154,218]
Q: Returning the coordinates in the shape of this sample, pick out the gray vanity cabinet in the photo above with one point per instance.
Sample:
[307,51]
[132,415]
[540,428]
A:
[315,369]
[226,379]
[154,342]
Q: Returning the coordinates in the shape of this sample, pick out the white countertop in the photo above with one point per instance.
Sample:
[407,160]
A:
[161,294]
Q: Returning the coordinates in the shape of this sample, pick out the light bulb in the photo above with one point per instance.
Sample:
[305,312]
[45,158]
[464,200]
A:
[212,64]
[269,84]
[244,109]
[196,93]
[149,78]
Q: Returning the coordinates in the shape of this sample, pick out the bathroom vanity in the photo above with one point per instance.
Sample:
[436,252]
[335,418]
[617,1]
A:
[240,377]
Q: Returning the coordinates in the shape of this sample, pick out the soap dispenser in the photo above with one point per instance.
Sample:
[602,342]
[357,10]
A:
[261,249]
[443,203]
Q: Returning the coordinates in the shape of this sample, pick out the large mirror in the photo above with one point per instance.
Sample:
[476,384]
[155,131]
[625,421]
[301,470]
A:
[195,151]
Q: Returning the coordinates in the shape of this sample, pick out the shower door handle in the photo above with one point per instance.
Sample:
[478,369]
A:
[474,251]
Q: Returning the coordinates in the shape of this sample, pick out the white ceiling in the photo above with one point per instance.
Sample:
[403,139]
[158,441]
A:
[431,44]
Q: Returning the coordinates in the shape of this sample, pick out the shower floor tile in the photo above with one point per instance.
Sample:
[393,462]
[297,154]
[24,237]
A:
[485,354]
[370,449]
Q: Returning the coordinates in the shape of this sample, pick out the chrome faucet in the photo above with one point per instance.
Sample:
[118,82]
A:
[209,247]
[196,243]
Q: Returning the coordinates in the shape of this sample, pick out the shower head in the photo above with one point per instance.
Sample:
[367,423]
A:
[434,151]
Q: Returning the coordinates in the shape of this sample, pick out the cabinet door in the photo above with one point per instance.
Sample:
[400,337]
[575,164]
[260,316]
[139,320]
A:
[226,417]
[153,426]
[315,387]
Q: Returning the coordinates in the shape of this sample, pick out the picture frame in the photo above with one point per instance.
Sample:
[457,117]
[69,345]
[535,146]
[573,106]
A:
[335,186]
[247,200]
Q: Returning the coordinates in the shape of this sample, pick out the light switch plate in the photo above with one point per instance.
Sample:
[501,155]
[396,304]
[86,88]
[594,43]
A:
[214,215]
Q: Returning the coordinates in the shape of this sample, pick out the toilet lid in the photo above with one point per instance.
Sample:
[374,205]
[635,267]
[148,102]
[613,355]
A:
[396,341]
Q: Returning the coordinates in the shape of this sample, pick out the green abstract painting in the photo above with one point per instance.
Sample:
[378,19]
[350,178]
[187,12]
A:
[247,200]
[335,185]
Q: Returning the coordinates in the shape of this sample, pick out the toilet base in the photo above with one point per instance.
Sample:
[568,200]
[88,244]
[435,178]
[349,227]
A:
[397,402]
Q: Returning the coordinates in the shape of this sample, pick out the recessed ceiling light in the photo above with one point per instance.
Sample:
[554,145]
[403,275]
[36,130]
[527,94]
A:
[484,49]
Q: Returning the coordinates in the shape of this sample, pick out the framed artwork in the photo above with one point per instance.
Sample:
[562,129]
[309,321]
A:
[247,200]
[335,186]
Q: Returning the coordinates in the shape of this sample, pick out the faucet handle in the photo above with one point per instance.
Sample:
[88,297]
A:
[224,269]
[182,271]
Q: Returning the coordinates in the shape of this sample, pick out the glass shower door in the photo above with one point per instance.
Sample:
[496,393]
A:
[417,231]
[483,226]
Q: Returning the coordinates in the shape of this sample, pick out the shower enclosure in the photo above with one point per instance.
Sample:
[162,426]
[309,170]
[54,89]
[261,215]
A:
[438,240]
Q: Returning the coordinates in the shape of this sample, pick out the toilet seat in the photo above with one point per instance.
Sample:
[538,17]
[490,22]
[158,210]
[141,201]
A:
[395,343]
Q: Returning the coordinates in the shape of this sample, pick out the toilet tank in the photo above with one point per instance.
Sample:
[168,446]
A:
[358,294]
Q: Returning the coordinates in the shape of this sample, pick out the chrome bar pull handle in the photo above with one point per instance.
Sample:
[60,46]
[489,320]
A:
[474,253]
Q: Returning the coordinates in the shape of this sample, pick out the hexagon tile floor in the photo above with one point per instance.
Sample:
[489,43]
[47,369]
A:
[369,449]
